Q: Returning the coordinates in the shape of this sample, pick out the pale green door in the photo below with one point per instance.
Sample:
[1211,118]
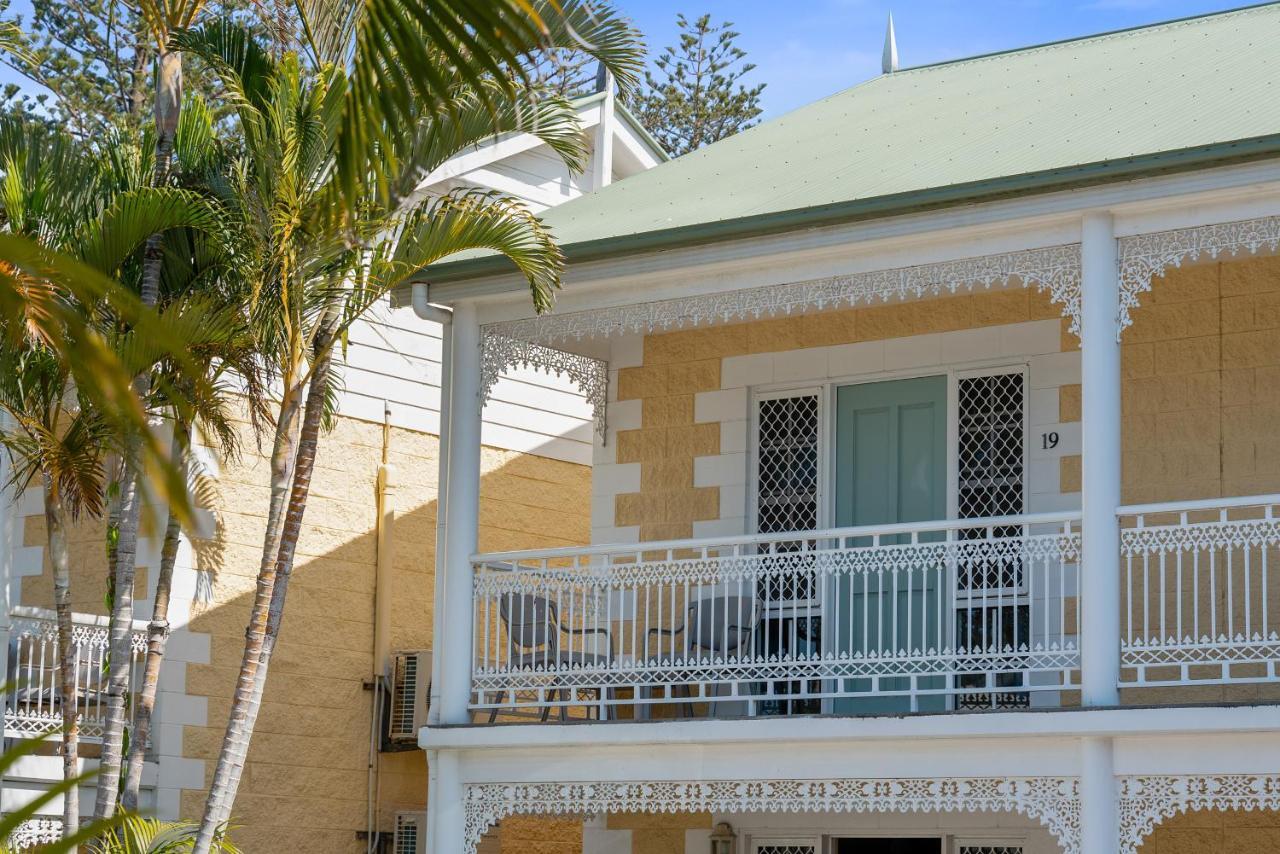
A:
[891,466]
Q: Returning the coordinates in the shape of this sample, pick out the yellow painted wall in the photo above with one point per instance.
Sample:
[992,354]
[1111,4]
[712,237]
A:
[306,779]
[1201,387]
[305,785]
[660,833]
[678,365]
[1216,832]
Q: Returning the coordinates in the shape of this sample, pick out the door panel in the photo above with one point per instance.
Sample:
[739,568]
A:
[890,440]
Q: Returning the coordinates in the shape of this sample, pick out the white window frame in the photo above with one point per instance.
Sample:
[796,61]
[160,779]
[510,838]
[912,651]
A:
[826,391]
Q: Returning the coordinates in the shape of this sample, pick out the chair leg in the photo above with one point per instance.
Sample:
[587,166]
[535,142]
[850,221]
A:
[688,706]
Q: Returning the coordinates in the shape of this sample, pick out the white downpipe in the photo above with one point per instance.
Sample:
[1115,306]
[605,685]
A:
[1099,819]
[1100,369]
[424,309]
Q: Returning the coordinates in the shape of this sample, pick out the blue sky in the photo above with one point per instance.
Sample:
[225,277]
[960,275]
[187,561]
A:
[806,49]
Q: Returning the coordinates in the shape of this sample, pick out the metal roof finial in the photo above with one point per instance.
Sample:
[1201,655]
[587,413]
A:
[889,61]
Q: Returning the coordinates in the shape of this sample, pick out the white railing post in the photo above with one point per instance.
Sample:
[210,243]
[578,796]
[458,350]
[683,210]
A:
[1100,416]
[462,506]
[1099,818]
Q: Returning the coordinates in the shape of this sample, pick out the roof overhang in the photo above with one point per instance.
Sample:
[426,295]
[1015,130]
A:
[441,276]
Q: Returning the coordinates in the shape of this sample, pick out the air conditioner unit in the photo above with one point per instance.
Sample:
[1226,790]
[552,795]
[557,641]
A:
[410,689]
[411,833]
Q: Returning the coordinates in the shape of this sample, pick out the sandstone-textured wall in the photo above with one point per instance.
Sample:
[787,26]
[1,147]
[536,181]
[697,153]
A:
[306,783]
[660,833]
[1216,832]
[679,365]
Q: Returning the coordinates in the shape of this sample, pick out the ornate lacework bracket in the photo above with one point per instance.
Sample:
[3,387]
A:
[532,341]
[1053,801]
[500,352]
[1143,257]
[1145,801]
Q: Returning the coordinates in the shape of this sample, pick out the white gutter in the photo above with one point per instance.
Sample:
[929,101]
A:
[423,308]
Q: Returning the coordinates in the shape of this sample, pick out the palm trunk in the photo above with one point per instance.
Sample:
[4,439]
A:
[60,560]
[157,638]
[307,446]
[221,791]
[168,104]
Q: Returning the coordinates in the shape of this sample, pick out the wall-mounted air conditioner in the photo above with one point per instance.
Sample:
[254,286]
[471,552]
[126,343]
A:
[411,833]
[407,705]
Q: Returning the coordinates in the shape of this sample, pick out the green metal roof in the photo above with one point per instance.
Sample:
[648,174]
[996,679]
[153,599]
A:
[1177,95]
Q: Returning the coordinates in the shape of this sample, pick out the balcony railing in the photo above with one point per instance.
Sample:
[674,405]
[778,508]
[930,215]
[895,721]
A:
[34,704]
[1201,599]
[927,616]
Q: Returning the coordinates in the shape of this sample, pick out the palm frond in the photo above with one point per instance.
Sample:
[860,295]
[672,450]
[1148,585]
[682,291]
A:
[108,240]
[446,225]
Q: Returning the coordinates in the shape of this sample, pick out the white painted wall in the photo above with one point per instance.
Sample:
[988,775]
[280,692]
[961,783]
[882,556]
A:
[394,357]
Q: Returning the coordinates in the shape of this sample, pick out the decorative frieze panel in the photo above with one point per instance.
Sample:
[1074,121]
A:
[1053,801]
[1053,269]
[591,376]
[1143,257]
[1145,801]
[531,341]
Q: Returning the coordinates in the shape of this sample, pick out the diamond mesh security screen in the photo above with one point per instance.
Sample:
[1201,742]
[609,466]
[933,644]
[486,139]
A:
[787,472]
[990,455]
[786,849]
[990,849]
[787,500]
[990,412]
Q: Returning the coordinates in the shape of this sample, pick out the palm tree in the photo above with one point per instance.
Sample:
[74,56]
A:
[195,267]
[62,214]
[323,198]
[162,18]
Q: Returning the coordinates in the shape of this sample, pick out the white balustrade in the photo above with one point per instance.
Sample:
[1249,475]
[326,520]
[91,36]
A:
[1201,592]
[34,833]
[33,704]
[921,616]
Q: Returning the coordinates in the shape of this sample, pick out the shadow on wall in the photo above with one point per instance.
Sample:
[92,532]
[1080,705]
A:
[307,784]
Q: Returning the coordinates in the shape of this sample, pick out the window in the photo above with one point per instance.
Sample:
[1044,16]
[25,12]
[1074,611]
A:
[787,465]
[990,458]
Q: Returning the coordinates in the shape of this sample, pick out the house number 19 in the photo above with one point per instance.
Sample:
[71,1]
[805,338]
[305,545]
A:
[1049,441]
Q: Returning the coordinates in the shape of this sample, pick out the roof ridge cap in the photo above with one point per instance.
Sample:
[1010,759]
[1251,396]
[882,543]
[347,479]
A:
[1109,35]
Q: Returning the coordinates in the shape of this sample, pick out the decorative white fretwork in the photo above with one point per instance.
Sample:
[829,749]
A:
[1145,256]
[500,352]
[1055,269]
[35,832]
[1053,801]
[1145,801]
[1196,607]
[531,341]
[33,706]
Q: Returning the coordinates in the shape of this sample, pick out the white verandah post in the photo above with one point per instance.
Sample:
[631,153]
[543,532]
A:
[1100,561]
[1100,464]
[462,504]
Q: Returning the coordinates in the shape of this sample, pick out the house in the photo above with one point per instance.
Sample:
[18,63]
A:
[322,775]
[934,484]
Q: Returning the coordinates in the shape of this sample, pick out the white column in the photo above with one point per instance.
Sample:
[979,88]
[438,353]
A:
[462,504]
[1099,819]
[451,824]
[1100,414]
